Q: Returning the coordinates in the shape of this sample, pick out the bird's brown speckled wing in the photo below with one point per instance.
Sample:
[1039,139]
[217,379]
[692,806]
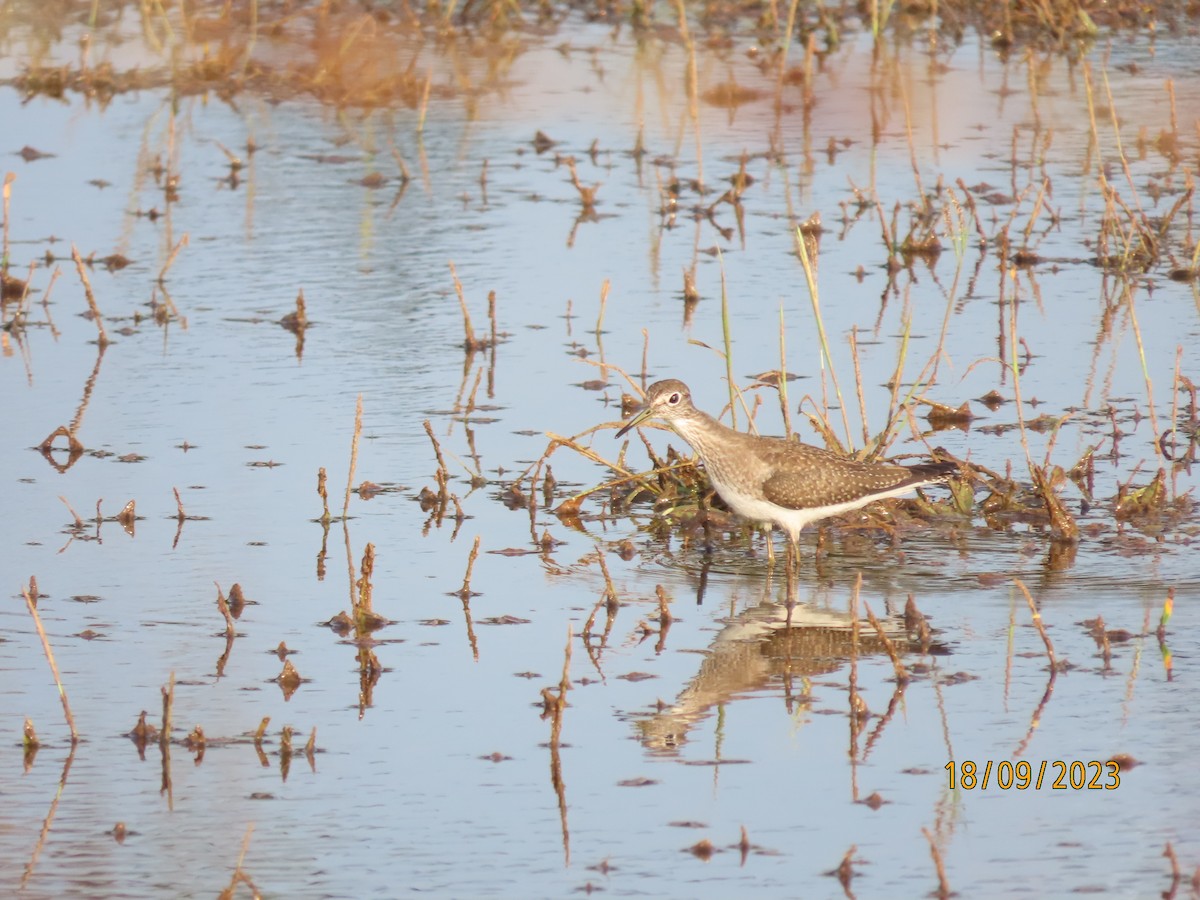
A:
[832,479]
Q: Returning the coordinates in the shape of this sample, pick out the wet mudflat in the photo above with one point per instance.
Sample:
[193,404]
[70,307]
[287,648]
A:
[501,674]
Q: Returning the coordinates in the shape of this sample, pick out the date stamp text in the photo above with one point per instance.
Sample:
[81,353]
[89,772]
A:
[1055,775]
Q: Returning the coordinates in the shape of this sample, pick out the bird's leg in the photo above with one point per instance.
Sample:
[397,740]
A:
[705,523]
[791,567]
[770,546]
[794,552]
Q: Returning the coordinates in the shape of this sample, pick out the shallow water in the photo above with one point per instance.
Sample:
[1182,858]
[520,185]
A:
[444,778]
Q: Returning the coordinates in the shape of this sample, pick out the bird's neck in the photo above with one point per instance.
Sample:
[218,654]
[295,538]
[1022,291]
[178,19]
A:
[702,431]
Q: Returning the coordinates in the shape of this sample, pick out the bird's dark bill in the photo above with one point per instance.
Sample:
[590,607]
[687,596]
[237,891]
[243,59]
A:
[639,417]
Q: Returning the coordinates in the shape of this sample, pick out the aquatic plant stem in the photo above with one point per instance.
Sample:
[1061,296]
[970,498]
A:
[814,296]
[787,45]
[784,406]
[91,298]
[943,889]
[1015,368]
[692,80]
[727,336]
[62,691]
[1137,335]
[9,178]
[1174,429]
[358,409]
[162,274]
[1037,623]
[251,42]
[605,286]
[858,386]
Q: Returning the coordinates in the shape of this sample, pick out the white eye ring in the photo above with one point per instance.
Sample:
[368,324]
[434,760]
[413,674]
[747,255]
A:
[673,399]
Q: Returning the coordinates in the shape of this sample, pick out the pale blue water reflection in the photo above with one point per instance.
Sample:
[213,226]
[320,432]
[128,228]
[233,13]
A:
[406,795]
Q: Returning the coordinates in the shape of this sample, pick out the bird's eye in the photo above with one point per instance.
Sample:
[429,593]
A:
[673,399]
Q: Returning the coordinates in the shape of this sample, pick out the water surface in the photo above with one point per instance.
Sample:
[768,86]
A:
[444,776]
